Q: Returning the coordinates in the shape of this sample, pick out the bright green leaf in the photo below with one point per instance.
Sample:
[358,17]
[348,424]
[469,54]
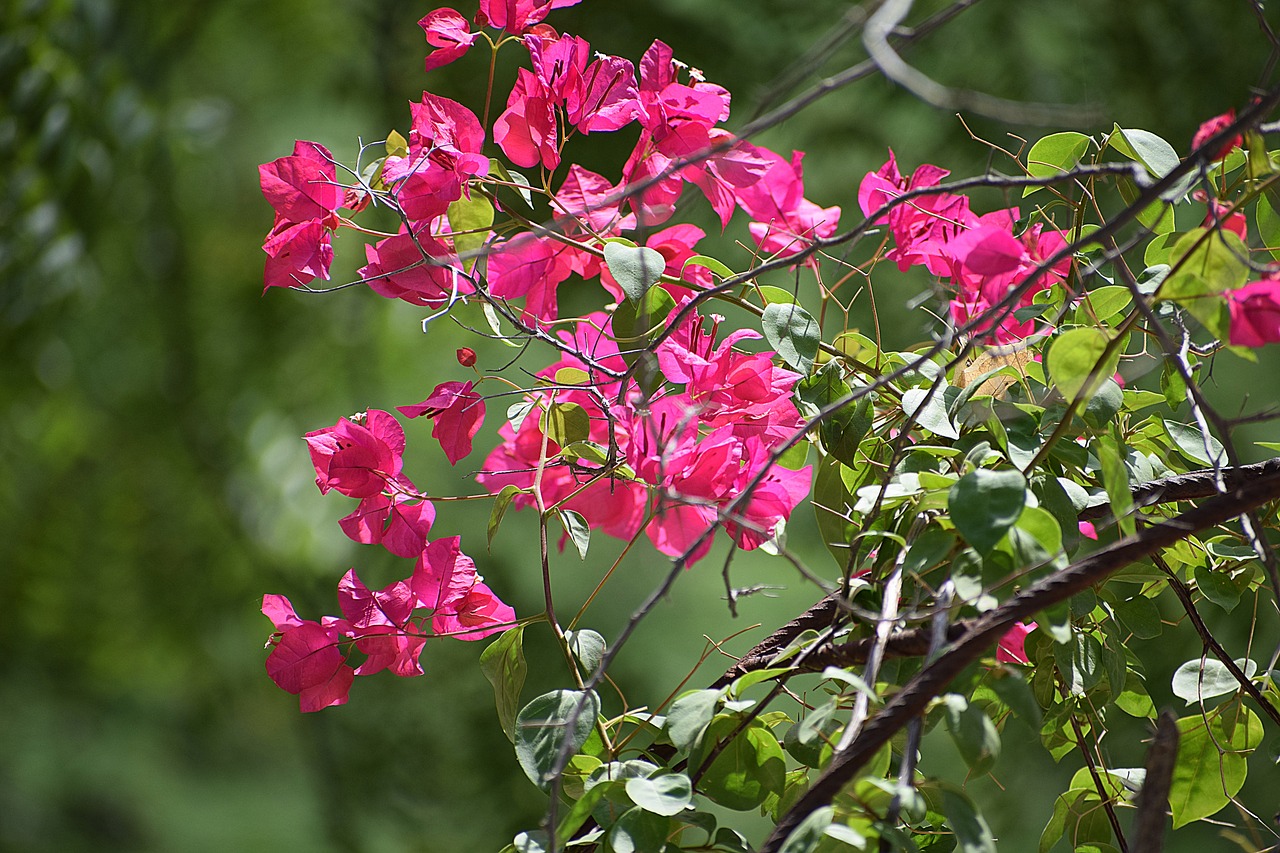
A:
[1076,361]
[470,220]
[565,423]
[748,769]
[1055,154]
[503,664]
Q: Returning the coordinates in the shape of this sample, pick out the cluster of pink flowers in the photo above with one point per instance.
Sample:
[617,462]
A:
[443,597]
[694,447]
[567,91]
[980,255]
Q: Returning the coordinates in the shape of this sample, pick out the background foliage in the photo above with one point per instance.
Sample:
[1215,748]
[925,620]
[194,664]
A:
[152,484]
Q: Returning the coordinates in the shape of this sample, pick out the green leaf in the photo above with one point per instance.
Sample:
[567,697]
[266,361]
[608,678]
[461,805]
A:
[1206,264]
[634,323]
[1080,662]
[929,410]
[974,734]
[634,268]
[550,725]
[639,831]
[831,501]
[1216,585]
[1191,442]
[500,503]
[984,504]
[769,294]
[793,333]
[579,532]
[1014,691]
[396,145]
[565,423]
[1115,479]
[667,794]
[1076,363]
[972,833]
[1103,303]
[1055,154]
[503,664]
[1197,680]
[1134,699]
[474,216]
[1267,219]
[748,769]
[587,647]
[806,837]
[843,430]
[1145,147]
[690,714]
[1141,616]
[710,263]
[1206,776]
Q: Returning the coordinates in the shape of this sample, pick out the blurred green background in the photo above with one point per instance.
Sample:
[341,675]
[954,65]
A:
[152,481]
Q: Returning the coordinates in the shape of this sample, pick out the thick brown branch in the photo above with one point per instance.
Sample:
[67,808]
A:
[1180,487]
[915,642]
[1153,801]
[987,630]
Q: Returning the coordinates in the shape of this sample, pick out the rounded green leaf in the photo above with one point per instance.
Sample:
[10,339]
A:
[748,769]
[690,714]
[634,268]
[587,647]
[984,504]
[1208,772]
[792,332]
[1197,680]
[1075,360]
[638,831]
[668,794]
[565,423]
[1055,154]
[554,723]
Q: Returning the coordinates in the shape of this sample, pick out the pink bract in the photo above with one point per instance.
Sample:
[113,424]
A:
[1012,646]
[457,413]
[1255,313]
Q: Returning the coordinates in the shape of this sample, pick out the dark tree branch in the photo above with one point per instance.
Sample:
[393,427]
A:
[1153,801]
[985,631]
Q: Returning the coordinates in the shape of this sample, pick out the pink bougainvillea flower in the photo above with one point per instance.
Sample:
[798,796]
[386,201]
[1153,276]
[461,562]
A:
[445,145]
[478,614]
[1213,126]
[922,225]
[530,267]
[1220,215]
[357,459]
[306,659]
[518,16]
[380,622]
[420,270]
[297,253]
[1012,646]
[304,185]
[526,131]
[1088,531]
[1255,313]
[394,521]
[303,190]
[785,222]
[457,413]
[448,32]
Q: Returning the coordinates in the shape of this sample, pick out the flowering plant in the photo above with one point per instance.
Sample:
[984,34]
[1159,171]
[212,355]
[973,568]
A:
[1001,501]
